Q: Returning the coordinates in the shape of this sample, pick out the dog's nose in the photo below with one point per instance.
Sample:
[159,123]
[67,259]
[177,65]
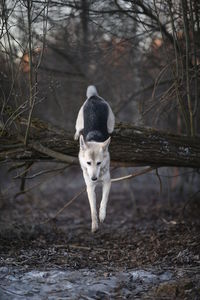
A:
[94,178]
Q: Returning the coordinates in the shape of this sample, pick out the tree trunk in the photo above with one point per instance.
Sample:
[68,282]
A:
[130,146]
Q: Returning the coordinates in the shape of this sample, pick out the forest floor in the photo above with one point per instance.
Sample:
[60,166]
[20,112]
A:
[146,249]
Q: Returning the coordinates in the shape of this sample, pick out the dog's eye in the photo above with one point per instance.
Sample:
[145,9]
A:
[88,162]
[98,163]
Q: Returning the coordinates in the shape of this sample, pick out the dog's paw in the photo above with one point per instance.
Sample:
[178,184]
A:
[76,136]
[102,215]
[94,228]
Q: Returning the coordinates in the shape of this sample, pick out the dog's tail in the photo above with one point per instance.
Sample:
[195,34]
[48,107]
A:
[91,91]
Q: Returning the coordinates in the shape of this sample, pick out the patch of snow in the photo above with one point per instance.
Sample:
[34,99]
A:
[68,284]
[149,277]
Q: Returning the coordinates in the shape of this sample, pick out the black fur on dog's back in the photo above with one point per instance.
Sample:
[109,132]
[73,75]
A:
[95,113]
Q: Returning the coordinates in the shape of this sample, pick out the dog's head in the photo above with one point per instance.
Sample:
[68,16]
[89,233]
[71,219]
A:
[93,157]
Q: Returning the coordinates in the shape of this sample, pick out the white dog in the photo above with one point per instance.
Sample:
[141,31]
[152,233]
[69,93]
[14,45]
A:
[95,122]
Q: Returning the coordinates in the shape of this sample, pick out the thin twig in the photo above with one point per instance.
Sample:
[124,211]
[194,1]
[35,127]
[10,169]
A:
[160,181]
[37,184]
[41,173]
[133,175]
[66,205]
[23,177]
[187,44]
[31,97]
[83,190]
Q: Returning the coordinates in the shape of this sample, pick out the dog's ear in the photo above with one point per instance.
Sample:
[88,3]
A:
[83,145]
[106,144]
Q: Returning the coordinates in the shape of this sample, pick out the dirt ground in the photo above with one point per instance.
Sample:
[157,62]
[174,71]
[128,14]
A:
[148,248]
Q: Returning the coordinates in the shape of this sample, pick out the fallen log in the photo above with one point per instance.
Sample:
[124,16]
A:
[131,145]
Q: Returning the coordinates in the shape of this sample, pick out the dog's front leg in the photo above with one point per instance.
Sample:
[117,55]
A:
[92,201]
[104,201]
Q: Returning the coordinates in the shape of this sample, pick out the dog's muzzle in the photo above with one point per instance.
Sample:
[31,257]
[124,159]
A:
[94,178]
